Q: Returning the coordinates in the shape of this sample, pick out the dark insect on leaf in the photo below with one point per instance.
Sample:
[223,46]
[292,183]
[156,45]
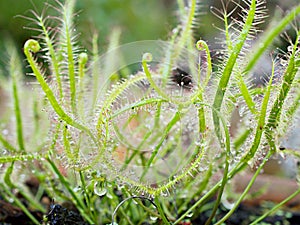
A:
[182,78]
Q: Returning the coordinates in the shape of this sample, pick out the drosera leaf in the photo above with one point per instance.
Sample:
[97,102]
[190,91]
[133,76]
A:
[269,36]
[33,46]
[53,55]
[67,36]
[23,157]
[147,57]
[288,79]
[246,95]
[227,72]
[202,46]
[261,122]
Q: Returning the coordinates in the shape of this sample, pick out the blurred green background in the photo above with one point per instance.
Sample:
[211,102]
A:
[137,19]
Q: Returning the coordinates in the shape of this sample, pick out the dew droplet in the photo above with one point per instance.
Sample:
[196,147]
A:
[77,189]
[153,218]
[165,194]
[190,214]
[99,188]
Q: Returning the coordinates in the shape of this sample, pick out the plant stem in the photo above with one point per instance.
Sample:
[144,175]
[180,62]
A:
[20,205]
[18,114]
[6,144]
[161,212]
[77,201]
[245,192]
[277,206]
[169,126]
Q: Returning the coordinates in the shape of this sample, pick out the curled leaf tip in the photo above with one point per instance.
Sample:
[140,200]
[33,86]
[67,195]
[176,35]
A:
[147,57]
[32,45]
[200,45]
[83,58]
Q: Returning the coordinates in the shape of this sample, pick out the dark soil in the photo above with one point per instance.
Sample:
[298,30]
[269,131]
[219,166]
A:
[10,214]
[60,216]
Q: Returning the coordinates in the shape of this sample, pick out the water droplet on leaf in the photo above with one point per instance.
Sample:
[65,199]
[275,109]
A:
[99,188]
[153,218]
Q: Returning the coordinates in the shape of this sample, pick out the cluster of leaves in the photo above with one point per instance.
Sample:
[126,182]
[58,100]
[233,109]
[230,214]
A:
[151,132]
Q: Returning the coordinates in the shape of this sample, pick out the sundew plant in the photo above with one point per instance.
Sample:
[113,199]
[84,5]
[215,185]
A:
[150,130]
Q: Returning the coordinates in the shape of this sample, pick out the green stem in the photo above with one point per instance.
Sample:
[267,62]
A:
[161,212]
[226,170]
[276,207]
[201,117]
[19,126]
[20,205]
[261,122]
[83,58]
[77,201]
[157,147]
[221,184]
[201,45]
[246,95]
[211,192]
[6,144]
[86,195]
[147,58]
[245,192]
